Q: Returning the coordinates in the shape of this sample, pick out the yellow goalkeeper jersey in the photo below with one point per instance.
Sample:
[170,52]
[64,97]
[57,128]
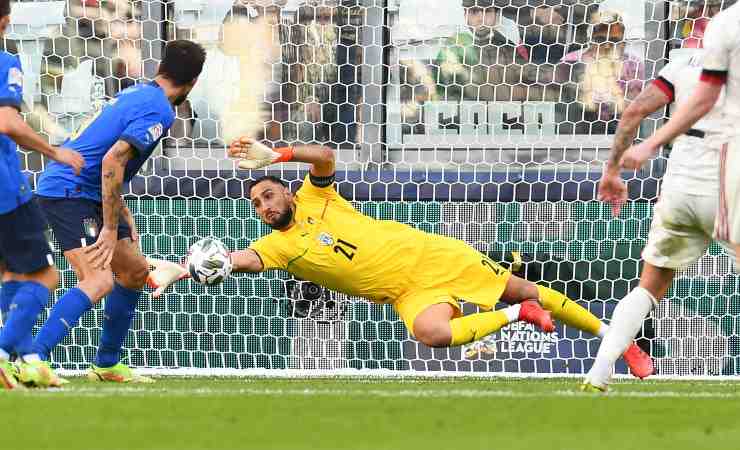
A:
[336,246]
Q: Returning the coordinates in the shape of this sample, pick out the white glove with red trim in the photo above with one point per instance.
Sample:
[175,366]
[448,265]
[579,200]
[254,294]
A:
[255,155]
[165,273]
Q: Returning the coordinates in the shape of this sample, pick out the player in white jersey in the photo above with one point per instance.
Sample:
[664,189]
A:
[684,216]
[721,68]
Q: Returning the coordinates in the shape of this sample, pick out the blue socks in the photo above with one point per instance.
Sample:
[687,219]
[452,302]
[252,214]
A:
[120,306]
[7,292]
[64,316]
[29,299]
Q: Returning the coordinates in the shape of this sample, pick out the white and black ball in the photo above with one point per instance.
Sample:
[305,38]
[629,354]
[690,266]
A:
[209,261]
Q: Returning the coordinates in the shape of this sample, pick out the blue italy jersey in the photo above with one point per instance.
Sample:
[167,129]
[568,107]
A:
[14,188]
[139,115]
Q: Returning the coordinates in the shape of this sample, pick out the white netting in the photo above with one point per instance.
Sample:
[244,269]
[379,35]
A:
[490,126]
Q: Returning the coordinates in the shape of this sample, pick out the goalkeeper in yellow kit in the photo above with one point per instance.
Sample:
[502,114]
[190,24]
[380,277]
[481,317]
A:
[319,236]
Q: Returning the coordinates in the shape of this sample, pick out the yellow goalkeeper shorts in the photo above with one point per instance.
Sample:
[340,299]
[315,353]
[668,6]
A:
[451,271]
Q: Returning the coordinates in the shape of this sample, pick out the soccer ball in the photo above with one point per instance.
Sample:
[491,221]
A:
[209,261]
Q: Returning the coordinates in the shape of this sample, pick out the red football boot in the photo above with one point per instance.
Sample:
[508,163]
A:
[532,312]
[639,362]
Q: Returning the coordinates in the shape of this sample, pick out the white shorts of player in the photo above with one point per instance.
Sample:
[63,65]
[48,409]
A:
[681,230]
[727,226]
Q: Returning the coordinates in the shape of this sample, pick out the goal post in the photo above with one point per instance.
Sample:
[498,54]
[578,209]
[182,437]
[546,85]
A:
[487,121]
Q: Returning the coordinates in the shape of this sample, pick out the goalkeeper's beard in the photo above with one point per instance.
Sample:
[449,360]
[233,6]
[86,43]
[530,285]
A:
[282,220]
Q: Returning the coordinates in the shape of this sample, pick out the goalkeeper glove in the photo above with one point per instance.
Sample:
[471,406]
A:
[254,155]
[164,274]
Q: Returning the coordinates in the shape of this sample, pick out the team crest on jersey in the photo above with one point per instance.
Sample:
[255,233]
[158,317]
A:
[325,239]
[156,131]
[15,77]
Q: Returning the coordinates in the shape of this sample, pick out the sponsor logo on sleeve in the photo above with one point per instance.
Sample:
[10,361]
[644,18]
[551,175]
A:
[156,131]
[15,77]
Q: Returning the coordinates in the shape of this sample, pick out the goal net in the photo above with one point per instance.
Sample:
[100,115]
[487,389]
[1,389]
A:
[485,120]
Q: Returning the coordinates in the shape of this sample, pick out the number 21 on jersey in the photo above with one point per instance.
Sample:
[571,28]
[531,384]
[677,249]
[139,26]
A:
[345,248]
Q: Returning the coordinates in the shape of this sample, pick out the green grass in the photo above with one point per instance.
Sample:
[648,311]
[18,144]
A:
[451,414]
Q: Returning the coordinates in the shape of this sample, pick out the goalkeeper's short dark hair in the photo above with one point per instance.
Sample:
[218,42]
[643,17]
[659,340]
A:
[4,8]
[259,180]
[182,62]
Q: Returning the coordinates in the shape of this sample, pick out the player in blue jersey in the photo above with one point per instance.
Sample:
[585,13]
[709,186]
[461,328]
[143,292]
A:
[92,223]
[24,249]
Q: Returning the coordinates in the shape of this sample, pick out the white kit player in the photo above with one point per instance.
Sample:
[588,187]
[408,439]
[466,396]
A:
[684,217]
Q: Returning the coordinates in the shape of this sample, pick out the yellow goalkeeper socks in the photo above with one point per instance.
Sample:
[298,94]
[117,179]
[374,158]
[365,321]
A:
[475,326]
[568,311]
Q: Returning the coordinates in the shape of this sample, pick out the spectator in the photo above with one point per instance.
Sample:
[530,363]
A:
[485,61]
[321,96]
[604,74]
[314,70]
[108,33]
[544,27]
[693,20]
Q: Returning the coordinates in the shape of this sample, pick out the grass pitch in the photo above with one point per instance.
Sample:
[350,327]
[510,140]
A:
[258,413]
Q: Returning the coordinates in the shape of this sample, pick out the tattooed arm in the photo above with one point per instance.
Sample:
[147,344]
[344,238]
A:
[649,101]
[611,187]
[689,111]
[114,165]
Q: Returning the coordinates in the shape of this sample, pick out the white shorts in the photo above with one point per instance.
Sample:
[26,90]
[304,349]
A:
[681,230]
[727,225]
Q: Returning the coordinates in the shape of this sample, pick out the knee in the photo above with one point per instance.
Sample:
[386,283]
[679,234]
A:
[518,289]
[134,277]
[433,334]
[432,325]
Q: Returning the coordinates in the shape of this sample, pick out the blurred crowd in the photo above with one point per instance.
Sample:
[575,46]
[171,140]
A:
[577,54]
[532,51]
[106,32]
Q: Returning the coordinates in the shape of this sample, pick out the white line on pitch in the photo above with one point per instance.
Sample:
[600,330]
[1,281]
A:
[389,393]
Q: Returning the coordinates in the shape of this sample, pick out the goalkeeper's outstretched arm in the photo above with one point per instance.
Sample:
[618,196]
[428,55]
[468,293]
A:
[246,261]
[255,155]
[250,155]
[165,273]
